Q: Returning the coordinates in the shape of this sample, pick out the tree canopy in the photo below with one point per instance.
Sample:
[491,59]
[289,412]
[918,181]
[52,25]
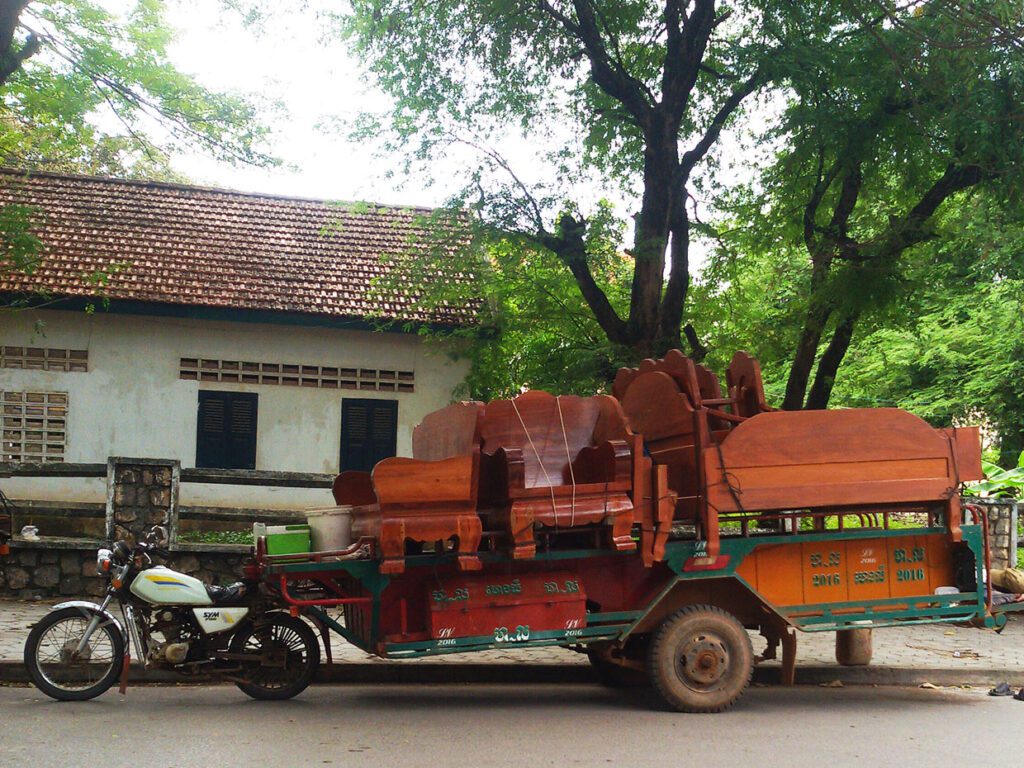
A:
[86,90]
[851,126]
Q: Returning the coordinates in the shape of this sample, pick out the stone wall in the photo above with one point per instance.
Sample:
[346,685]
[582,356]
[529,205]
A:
[33,572]
[1002,522]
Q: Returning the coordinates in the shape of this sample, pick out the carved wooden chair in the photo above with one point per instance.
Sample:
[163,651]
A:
[746,392]
[430,497]
[679,409]
[559,462]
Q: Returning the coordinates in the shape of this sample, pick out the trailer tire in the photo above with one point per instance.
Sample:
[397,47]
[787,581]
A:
[700,660]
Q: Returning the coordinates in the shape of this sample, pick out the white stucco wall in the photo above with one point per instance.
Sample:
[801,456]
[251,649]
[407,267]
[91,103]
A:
[132,402]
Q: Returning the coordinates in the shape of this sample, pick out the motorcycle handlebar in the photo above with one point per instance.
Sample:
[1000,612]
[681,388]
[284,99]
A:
[158,551]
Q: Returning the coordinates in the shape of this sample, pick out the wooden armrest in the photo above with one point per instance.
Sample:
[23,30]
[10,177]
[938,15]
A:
[353,488]
[505,469]
[608,462]
[401,481]
[494,475]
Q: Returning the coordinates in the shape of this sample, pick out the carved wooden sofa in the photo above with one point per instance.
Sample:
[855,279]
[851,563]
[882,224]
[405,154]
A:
[736,455]
[558,462]
[430,497]
[851,458]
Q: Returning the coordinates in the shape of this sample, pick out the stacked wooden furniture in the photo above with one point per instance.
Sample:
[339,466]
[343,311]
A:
[430,497]
[559,462]
[735,455]
[532,463]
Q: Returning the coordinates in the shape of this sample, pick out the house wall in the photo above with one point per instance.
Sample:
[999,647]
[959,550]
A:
[131,402]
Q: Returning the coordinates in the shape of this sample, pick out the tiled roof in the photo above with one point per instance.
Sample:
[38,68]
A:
[196,246]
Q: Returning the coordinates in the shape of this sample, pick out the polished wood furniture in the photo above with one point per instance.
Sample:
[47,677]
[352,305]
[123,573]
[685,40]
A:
[558,462]
[736,455]
[850,458]
[431,497]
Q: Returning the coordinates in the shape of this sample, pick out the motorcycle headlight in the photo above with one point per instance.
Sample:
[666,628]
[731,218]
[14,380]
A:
[103,561]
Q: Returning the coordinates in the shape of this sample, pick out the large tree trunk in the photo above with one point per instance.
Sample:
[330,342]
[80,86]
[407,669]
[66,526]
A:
[661,161]
[828,366]
[12,56]
[671,315]
[806,350]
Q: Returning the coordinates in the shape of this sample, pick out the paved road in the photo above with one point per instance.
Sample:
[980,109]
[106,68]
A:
[506,727]
[922,647]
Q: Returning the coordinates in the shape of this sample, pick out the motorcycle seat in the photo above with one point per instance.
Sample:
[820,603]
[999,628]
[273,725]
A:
[226,595]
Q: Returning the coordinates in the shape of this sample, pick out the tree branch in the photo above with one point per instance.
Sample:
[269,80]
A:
[609,75]
[828,366]
[12,56]
[714,129]
[570,248]
[838,227]
[684,52]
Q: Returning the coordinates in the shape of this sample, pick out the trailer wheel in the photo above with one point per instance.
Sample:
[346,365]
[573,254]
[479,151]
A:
[700,659]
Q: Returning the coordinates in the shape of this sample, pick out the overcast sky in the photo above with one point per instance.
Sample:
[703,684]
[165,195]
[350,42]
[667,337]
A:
[314,82]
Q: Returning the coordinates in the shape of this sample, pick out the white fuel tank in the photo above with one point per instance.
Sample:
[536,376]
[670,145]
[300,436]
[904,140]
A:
[214,620]
[162,586]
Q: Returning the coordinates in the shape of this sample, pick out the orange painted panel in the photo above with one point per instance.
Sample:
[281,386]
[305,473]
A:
[778,573]
[824,572]
[908,563]
[940,562]
[867,569]
[807,573]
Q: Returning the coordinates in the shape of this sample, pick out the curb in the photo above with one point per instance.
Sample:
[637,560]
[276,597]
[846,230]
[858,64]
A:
[439,673]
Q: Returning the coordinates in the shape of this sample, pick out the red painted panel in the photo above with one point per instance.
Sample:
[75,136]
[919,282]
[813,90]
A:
[508,607]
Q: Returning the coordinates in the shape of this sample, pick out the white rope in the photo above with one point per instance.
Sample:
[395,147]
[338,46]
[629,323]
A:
[547,478]
[568,458]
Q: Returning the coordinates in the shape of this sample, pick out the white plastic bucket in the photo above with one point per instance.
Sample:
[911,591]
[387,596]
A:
[330,528]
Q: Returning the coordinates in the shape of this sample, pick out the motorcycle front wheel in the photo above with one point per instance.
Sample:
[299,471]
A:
[59,669]
[290,649]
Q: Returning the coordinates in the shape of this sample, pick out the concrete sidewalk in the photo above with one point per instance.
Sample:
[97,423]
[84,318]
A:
[941,654]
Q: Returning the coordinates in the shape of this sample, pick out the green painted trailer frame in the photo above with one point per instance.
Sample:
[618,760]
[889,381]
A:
[618,626]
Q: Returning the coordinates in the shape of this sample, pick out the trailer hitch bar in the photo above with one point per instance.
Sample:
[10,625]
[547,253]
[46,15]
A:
[323,602]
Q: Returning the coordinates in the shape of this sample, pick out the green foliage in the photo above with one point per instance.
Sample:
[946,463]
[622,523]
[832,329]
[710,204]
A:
[853,220]
[999,481]
[532,327]
[19,244]
[96,93]
[101,96]
[949,346]
[217,537]
[877,103]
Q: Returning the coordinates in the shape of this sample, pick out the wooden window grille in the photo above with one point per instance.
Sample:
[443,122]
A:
[369,432]
[44,359]
[226,430]
[296,375]
[34,426]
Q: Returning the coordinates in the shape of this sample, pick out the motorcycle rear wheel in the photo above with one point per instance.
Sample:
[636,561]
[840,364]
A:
[281,635]
[55,666]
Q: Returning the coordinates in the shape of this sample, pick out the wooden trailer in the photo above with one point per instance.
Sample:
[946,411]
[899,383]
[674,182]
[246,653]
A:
[655,531]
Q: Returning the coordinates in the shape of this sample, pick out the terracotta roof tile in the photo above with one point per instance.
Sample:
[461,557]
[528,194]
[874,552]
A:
[196,246]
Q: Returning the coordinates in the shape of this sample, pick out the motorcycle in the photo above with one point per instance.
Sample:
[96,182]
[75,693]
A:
[173,622]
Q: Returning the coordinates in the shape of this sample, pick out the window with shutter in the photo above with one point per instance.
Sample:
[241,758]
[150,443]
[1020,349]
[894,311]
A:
[369,432]
[226,430]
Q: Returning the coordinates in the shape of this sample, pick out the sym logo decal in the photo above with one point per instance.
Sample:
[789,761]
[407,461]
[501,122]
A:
[211,615]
